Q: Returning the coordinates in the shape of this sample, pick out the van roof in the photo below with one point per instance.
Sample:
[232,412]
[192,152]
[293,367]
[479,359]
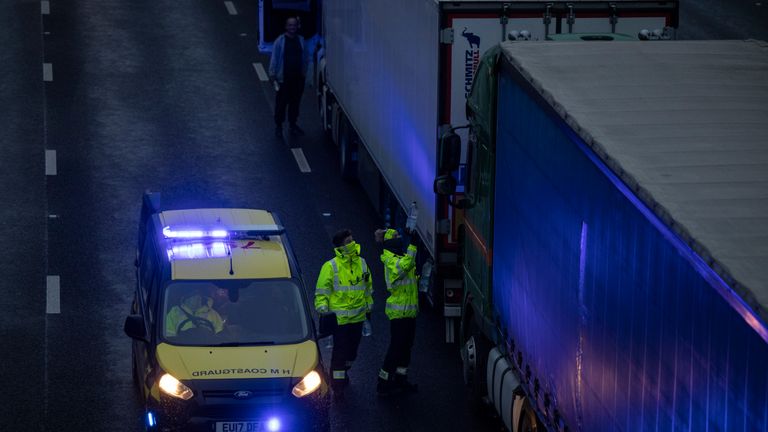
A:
[249,257]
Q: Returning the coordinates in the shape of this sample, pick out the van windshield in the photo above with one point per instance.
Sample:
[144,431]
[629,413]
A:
[232,313]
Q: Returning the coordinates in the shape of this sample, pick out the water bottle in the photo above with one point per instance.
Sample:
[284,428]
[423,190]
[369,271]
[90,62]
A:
[426,273]
[413,213]
[329,342]
[367,329]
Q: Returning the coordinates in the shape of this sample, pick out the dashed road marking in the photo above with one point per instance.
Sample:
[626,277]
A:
[48,72]
[261,72]
[45,7]
[50,162]
[298,154]
[53,295]
[230,7]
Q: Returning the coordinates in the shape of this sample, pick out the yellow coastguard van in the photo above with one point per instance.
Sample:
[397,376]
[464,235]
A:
[223,337]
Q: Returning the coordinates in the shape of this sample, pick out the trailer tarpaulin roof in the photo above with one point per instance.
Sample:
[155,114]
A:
[684,124]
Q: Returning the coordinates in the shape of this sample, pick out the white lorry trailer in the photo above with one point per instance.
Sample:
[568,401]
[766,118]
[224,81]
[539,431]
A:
[393,76]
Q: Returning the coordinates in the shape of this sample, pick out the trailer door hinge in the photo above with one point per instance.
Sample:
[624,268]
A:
[446,35]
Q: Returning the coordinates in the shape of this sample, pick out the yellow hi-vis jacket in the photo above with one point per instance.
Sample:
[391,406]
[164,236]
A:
[400,275]
[344,287]
[184,315]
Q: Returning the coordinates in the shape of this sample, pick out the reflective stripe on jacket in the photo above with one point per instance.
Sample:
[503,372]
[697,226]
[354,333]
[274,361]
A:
[400,275]
[344,287]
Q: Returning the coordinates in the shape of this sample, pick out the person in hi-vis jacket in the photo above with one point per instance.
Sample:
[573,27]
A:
[344,288]
[401,309]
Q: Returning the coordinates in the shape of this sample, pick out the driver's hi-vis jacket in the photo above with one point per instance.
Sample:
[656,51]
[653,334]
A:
[345,287]
[183,317]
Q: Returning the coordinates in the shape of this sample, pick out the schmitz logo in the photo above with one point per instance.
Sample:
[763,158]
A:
[471,60]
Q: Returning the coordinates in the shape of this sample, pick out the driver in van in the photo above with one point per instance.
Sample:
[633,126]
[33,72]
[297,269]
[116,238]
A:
[194,311]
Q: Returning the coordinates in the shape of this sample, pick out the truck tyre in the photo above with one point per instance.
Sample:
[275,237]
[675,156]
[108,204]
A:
[474,355]
[347,151]
[326,111]
[528,420]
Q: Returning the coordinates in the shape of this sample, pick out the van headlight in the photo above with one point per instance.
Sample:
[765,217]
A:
[309,384]
[174,387]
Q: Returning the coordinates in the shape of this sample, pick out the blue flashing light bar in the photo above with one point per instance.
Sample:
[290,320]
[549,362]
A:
[238,231]
[198,250]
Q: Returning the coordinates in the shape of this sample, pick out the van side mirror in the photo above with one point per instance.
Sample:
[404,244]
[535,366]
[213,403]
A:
[444,185]
[449,153]
[134,327]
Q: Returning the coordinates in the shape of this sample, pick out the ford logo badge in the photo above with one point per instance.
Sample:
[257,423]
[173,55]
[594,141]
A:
[243,394]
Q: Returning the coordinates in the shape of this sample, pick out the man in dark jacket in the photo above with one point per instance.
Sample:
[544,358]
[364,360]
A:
[288,70]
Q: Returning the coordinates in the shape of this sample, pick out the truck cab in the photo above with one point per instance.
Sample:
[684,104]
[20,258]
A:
[223,336]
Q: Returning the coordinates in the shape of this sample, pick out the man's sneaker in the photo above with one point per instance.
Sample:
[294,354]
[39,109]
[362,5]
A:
[296,130]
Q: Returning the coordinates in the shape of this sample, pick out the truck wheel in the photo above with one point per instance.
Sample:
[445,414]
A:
[528,420]
[325,111]
[347,151]
[474,357]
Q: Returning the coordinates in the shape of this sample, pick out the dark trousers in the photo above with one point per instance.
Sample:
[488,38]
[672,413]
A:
[289,96]
[346,340]
[402,332]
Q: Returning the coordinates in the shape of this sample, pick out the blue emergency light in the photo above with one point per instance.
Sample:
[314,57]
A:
[190,242]
[237,231]
[273,424]
[198,250]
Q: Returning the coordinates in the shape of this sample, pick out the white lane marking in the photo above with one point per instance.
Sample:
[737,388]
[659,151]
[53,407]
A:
[298,154]
[230,7]
[50,162]
[261,72]
[53,295]
[47,71]
[45,7]
[326,214]
[53,216]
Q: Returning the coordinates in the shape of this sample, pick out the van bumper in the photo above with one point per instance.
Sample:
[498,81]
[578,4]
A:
[283,412]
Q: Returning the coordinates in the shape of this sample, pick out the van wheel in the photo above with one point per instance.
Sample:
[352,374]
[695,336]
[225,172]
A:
[347,151]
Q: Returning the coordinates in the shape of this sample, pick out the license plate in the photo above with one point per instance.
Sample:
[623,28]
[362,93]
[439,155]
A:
[246,426]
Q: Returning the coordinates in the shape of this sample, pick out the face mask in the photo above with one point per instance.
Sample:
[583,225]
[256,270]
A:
[350,249]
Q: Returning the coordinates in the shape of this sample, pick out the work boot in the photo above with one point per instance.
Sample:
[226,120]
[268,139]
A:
[385,387]
[401,383]
[296,130]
